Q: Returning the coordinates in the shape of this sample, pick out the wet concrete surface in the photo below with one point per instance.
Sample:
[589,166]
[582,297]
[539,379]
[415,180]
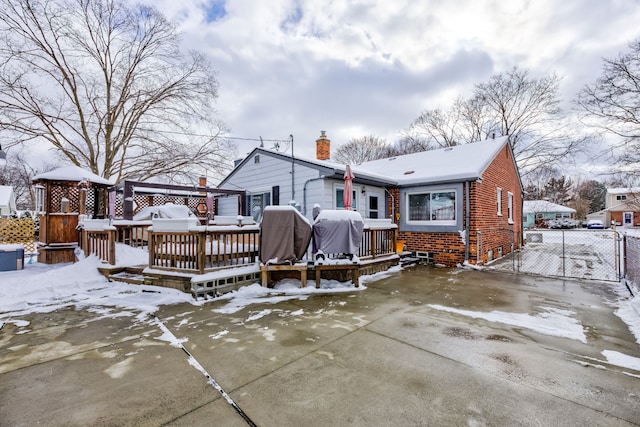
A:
[381,356]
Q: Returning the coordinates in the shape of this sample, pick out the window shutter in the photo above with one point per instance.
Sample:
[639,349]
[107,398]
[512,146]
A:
[275,191]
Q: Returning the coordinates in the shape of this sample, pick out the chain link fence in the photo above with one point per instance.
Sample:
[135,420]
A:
[632,259]
[577,253]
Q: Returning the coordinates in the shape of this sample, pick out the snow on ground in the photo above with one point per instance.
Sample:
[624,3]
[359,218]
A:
[41,288]
[552,321]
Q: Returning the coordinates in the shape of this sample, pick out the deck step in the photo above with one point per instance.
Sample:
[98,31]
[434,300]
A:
[126,277]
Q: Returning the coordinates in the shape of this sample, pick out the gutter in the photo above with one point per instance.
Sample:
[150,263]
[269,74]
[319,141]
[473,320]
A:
[304,192]
[468,222]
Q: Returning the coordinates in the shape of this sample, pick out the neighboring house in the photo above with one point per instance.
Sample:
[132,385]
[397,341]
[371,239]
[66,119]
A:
[7,200]
[451,205]
[538,213]
[599,216]
[622,206]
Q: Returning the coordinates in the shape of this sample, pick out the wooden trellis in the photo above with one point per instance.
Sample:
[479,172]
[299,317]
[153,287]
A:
[18,231]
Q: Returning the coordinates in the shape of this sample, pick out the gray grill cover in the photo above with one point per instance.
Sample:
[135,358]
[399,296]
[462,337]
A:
[284,235]
[337,232]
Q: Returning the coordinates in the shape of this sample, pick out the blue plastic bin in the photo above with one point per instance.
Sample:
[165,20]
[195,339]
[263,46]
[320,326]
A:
[11,258]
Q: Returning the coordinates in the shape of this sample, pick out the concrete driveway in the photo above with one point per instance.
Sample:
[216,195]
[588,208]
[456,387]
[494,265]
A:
[387,355]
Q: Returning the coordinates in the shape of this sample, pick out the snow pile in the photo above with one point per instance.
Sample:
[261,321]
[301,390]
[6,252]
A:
[41,288]
[623,360]
[629,311]
[285,290]
[127,255]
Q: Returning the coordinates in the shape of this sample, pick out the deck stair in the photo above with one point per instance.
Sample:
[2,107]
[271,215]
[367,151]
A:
[131,274]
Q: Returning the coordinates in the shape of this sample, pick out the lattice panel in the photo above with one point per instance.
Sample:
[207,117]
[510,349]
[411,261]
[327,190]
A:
[18,231]
[90,203]
[140,201]
[58,192]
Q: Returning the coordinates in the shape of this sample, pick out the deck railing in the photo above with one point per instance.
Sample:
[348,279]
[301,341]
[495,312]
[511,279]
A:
[377,242]
[203,250]
[210,248]
[132,233]
[100,243]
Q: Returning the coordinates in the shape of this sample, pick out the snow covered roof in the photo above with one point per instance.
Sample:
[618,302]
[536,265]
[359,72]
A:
[623,190]
[453,164]
[72,173]
[459,163]
[536,206]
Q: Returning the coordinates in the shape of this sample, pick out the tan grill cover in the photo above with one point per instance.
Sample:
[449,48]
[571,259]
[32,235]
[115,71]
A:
[284,235]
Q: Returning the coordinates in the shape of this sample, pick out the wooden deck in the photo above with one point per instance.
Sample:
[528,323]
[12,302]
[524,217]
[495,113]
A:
[208,261]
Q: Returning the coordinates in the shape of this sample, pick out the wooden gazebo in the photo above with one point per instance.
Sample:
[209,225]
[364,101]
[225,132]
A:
[63,195]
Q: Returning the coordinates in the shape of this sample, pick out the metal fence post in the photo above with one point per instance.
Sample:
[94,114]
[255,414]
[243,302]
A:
[564,260]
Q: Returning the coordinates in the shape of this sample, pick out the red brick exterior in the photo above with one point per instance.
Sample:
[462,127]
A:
[617,217]
[323,147]
[488,231]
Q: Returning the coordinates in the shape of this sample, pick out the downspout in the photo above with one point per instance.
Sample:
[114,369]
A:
[393,205]
[468,222]
[304,193]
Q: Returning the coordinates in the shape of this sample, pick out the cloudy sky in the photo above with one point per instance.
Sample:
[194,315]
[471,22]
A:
[354,68]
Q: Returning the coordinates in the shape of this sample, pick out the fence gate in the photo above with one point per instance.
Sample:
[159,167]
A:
[577,253]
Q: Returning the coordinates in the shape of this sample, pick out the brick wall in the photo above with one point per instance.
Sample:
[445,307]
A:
[488,231]
[617,217]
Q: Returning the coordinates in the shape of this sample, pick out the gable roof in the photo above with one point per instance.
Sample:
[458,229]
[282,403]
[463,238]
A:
[539,206]
[325,168]
[460,163]
[631,190]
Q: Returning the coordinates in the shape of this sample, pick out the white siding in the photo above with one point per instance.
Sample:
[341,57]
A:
[269,172]
[310,189]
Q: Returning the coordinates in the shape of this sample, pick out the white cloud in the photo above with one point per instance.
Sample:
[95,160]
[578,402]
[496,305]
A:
[370,67]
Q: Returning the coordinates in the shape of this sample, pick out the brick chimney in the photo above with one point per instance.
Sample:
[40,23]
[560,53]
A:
[323,147]
[202,181]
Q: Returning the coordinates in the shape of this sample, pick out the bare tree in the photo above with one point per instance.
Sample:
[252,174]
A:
[536,181]
[436,128]
[18,173]
[360,150]
[108,87]
[511,103]
[527,109]
[612,103]
[477,122]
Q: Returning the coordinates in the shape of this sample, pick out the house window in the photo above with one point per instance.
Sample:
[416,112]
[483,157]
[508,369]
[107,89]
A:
[510,207]
[340,199]
[621,197]
[39,199]
[373,207]
[499,200]
[436,208]
[256,203]
[256,159]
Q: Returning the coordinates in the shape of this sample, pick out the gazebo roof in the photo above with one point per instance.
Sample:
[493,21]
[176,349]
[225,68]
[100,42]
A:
[72,174]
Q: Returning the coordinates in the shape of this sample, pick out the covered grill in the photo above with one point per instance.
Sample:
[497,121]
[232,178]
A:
[337,232]
[284,235]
